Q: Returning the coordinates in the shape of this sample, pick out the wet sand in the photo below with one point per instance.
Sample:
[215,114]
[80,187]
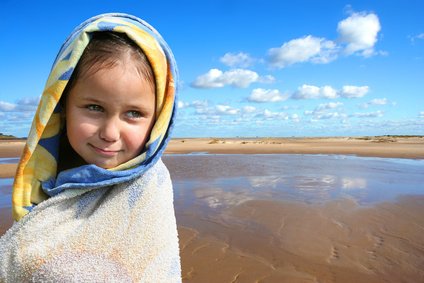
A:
[277,241]
[261,227]
[10,149]
[332,224]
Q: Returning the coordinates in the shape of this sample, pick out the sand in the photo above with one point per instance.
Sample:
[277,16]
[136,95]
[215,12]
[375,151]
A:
[274,241]
[10,148]
[261,240]
[386,146]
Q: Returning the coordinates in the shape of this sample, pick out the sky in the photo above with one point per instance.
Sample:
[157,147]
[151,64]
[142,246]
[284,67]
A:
[251,68]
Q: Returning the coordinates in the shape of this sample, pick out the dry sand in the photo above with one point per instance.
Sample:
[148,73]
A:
[386,146]
[278,241]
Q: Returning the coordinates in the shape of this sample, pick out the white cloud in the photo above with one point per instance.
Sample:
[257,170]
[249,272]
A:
[323,115]
[307,92]
[310,92]
[237,60]
[211,112]
[419,36]
[270,115]
[421,115]
[314,92]
[329,92]
[27,104]
[212,79]
[32,101]
[266,95]
[268,79]
[295,118]
[350,91]
[376,101]
[226,110]
[6,106]
[200,106]
[330,105]
[379,101]
[305,49]
[330,115]
[359,32]
[293,107]
[249,109]
[182,104]
[16,117]
[216,78]
[322,111]
[375,114]
[199,103]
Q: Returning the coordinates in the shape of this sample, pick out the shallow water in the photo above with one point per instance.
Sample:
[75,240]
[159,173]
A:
[5,192]
[224,180]
[11,160]
[211,181]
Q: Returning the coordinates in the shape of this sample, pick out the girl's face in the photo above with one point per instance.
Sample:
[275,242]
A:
[109,115]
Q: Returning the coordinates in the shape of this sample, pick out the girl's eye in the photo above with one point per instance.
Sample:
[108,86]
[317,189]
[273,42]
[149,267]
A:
[134,114]
[94,107]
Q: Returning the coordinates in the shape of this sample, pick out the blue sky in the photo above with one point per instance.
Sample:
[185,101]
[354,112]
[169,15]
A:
[247,68]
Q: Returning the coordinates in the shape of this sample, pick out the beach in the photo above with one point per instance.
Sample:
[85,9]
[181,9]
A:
[291,209]
[381,146]
[385,146]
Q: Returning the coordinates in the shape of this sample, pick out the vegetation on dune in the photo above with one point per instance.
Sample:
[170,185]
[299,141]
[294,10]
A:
[8,137]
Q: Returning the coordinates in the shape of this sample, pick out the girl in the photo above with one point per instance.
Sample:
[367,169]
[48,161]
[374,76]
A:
[92,199]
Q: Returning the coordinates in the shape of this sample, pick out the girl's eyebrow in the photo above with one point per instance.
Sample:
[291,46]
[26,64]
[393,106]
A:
[90,99]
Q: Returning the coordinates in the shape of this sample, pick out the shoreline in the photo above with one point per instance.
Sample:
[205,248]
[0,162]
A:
[386,146]
[408,147]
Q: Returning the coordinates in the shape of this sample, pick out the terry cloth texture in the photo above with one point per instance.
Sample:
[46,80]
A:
[90,224]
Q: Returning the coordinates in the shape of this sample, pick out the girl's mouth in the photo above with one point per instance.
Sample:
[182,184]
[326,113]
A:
[105,152]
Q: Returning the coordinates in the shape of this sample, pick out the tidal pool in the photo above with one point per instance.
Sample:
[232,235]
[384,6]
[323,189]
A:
[224,180]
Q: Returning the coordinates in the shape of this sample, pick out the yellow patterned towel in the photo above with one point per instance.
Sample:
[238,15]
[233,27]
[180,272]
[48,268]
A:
[90,224]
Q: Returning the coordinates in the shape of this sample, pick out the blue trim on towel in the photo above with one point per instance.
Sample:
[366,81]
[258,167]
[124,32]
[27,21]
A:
[68,56]
[107,26]
[66,75]
[51,145]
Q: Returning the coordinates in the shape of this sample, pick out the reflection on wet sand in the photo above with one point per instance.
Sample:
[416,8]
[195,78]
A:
[5,204]
[299,218]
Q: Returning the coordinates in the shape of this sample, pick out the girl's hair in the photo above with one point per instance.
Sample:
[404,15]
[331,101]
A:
[105,50]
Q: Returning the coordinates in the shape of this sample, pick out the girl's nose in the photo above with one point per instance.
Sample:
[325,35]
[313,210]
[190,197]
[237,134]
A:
[110,131]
